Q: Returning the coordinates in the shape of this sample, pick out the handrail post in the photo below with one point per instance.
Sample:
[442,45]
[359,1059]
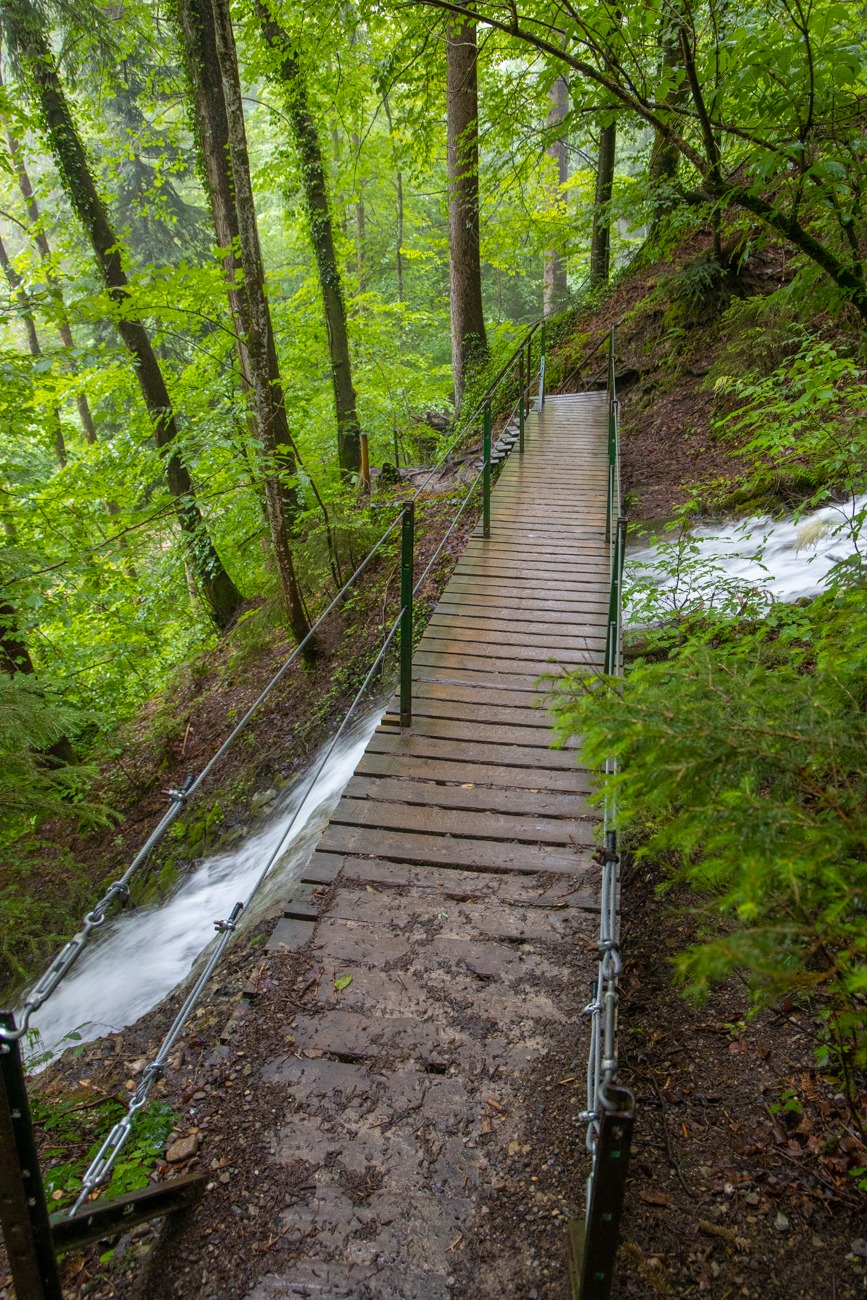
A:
[23,1209]
[407,540]
[529,370]
[542,371]
[486,474]
[521,401]
[612,441]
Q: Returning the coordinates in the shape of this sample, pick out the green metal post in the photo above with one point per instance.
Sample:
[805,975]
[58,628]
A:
[542,371]
[23,1209]
[529,369]
[407,537]
[486,475]
[521,401]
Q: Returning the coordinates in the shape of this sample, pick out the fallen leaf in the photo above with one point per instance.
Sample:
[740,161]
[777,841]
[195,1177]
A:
[342,982]
[655,1198]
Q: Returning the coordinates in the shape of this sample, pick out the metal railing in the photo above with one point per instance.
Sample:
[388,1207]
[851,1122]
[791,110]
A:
[610,1108]
[32,1237]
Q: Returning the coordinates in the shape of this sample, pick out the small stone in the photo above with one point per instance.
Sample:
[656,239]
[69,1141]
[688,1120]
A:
[182,1149]
[224,1178]
[752,1198]
[781,1223]
[859,1247]
[817,1241]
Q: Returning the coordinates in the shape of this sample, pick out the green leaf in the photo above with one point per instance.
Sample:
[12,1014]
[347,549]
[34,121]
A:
[342,982]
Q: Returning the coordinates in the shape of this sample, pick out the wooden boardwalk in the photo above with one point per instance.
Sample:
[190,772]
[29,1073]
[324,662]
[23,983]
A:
[455,884]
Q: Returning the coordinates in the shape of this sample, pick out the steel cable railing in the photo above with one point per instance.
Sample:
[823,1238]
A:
[104,1160]
[609,1114]
[106,1157]
[119,890]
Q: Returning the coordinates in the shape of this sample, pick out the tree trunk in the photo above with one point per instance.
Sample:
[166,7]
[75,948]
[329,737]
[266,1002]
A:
[469,341]
[63,326]
[14,281]
[26,34]
[399,188]
[198,38]
[554,281]
[261,350]
[600,247]
[322,237]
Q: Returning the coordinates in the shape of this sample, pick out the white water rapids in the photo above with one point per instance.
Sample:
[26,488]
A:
[144,953]
[791,559]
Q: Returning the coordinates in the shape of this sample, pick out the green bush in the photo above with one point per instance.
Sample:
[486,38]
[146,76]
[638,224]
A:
[743,765]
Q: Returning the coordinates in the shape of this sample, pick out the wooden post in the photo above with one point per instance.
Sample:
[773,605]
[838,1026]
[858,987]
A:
[365,465]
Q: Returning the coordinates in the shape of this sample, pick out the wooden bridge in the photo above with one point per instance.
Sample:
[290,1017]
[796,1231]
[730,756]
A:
[455,885]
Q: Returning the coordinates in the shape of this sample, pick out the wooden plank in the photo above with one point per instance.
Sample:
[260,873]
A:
[471,797]
[485,647]
[461,823]
[436,850]
[526,667]
[574,781]
[487,629]
[453,599]
[487,732]
[523,701]
[425,744]
[481,680]
[475,710]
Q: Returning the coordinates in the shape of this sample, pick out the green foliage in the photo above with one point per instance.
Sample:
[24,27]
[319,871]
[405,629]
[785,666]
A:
[745,753]
[72,1131]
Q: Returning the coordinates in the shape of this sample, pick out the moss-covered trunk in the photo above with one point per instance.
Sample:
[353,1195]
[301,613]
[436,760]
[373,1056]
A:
[27,36]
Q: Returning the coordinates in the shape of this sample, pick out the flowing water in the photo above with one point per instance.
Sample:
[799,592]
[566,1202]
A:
[791,559]
[144,953]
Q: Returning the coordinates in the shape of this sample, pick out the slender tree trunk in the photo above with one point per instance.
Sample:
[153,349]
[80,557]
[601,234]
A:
[306,137]
[198,38]
[600,248]
[399,188]
[399,237]
[554,280]
[261,350]
[469,341]
[63,326]
[27,36]
[14,281]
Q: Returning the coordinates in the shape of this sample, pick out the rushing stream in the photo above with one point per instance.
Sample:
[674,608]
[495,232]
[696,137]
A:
[791,559]
[144,953]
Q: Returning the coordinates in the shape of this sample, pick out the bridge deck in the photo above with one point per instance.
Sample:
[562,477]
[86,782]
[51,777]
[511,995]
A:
[455,885]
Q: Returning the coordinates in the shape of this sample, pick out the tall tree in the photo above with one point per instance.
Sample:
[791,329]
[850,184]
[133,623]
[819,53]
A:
[63,327]
[469,340]
[306,138]
[600,245]
[554,281]
[199,43]
[268,395]
[15,284]
[26,35]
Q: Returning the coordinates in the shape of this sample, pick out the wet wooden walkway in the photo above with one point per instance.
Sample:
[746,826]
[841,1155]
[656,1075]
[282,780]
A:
[455,885]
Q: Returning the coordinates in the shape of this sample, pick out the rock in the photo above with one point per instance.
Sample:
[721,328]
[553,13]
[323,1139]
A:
[859,1247]
[752,1198]
[183,1148]
[261,798]
[781,1223]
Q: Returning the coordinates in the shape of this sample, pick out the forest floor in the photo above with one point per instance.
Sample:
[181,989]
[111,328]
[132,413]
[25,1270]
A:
[740,1178]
